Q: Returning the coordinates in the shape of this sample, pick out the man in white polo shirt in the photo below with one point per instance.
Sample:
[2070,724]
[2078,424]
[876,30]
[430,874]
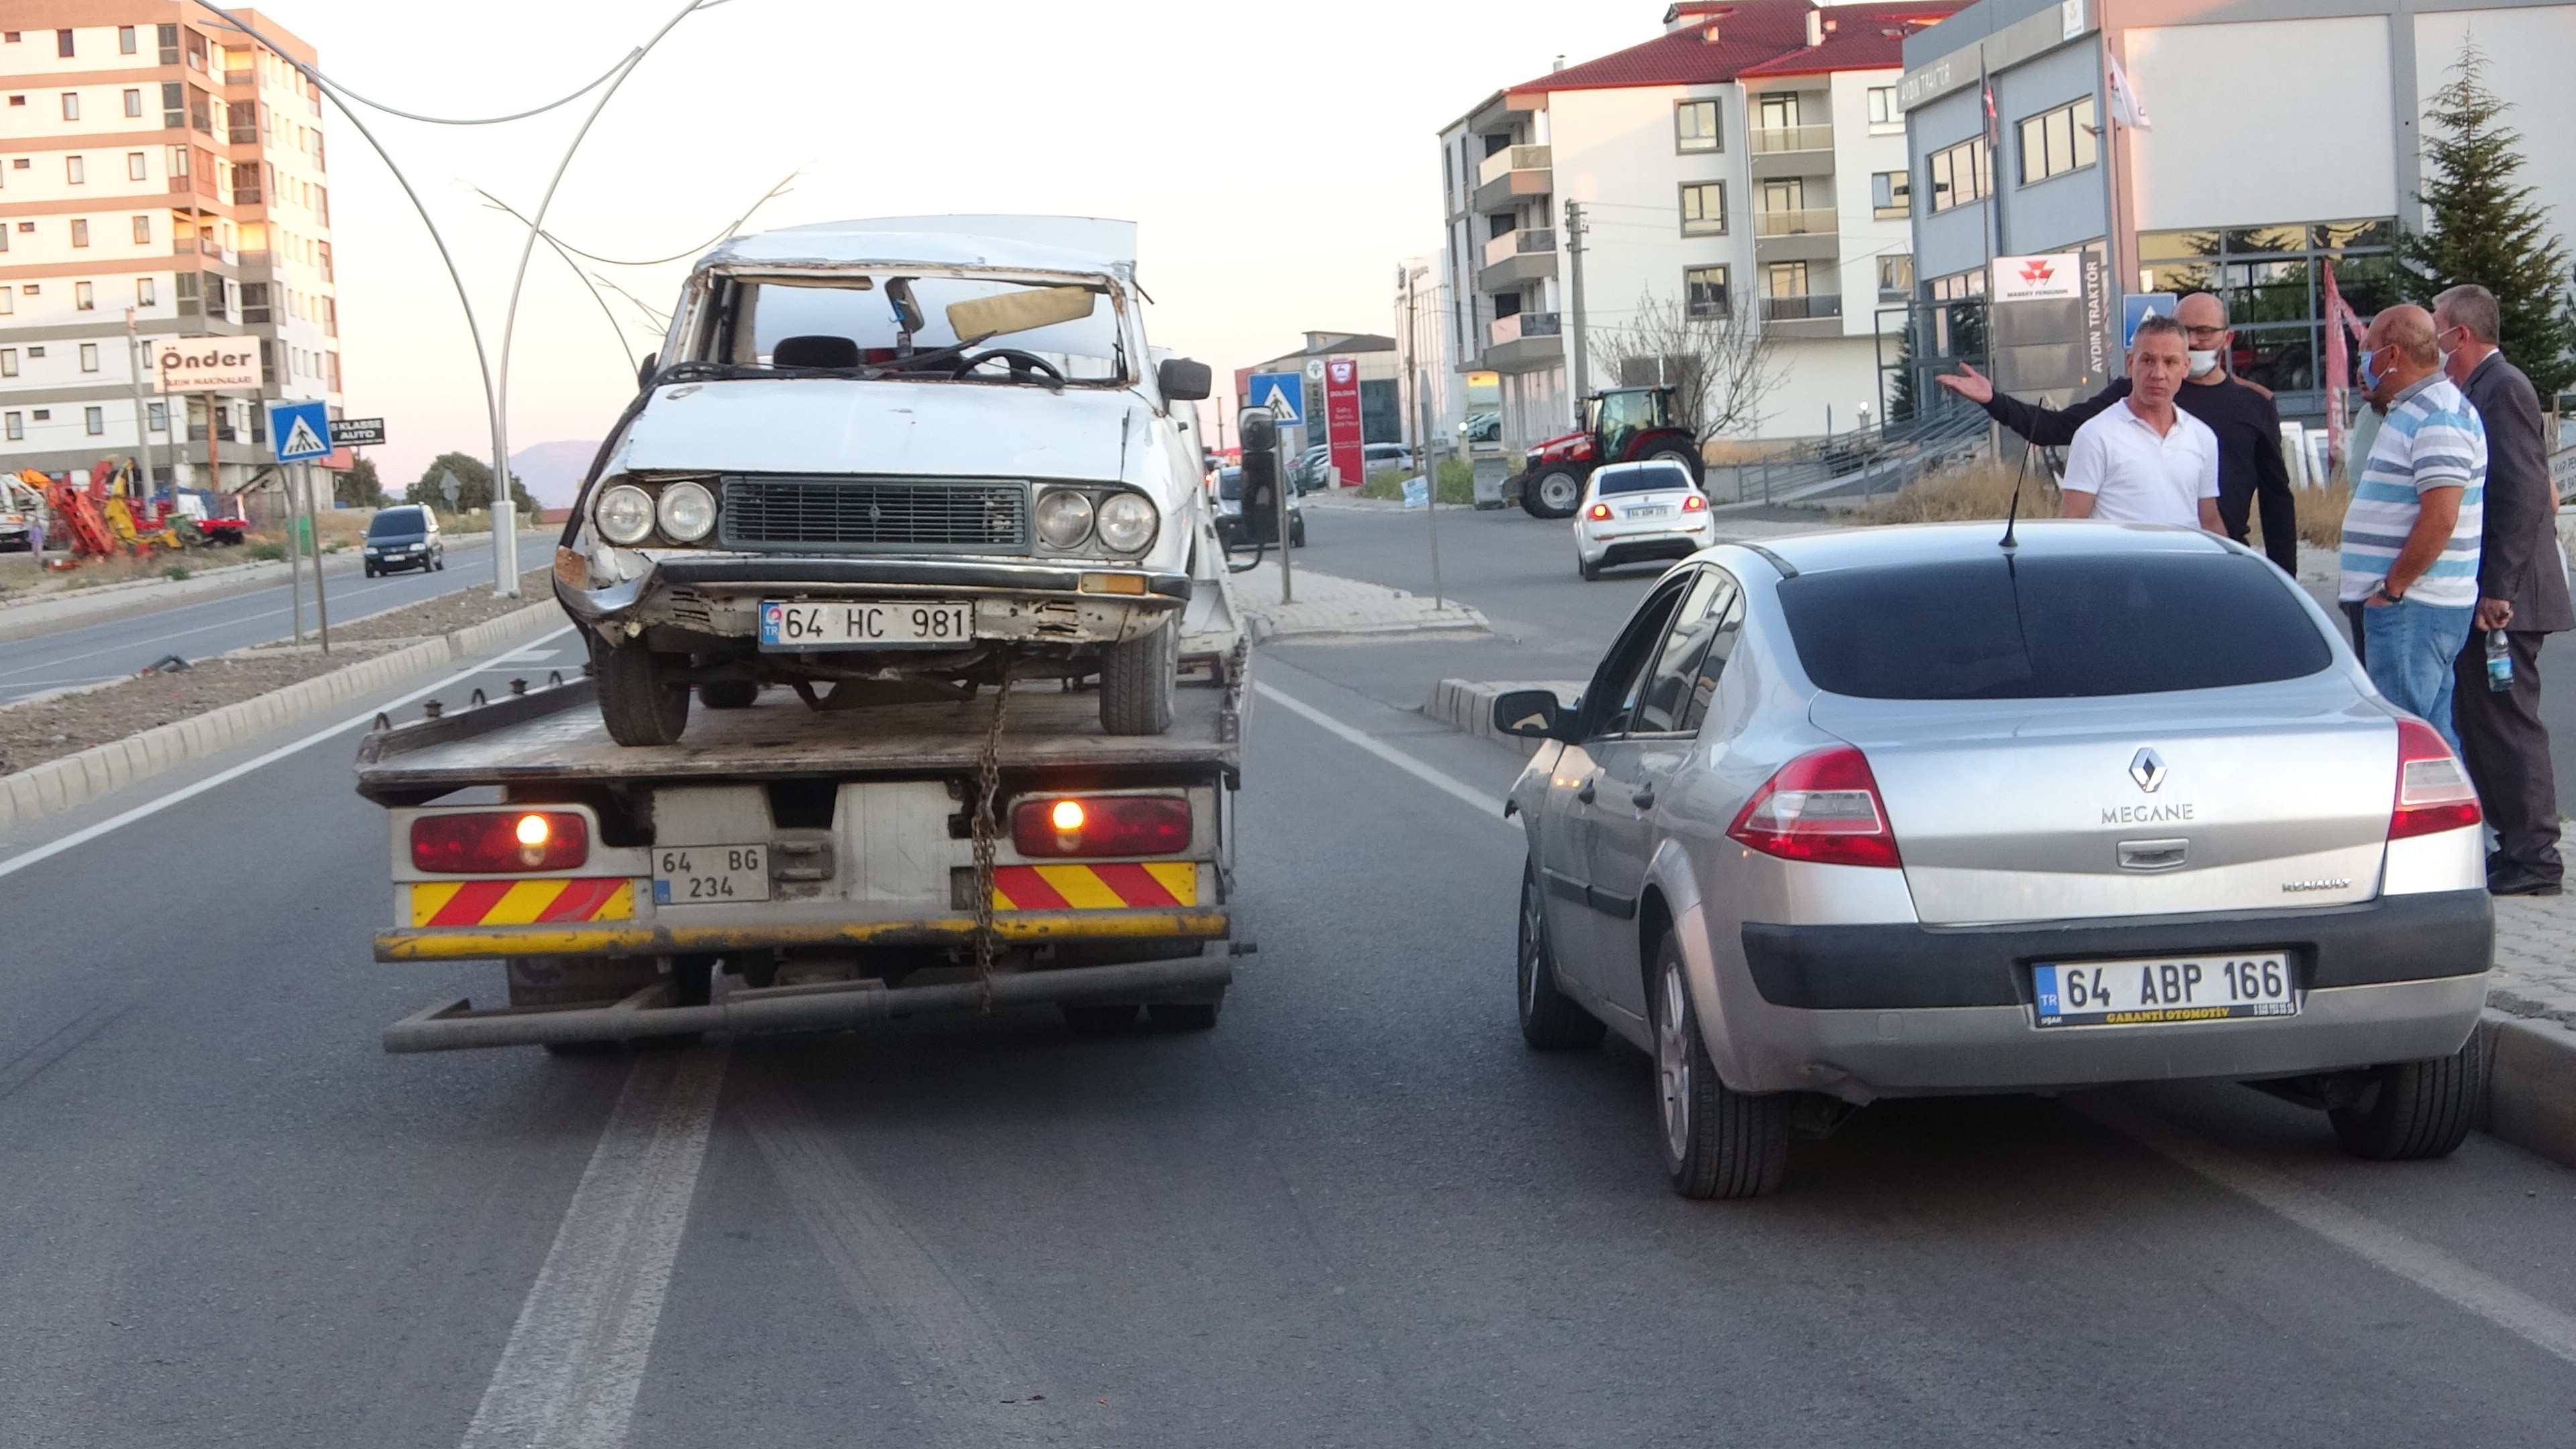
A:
[2143,460]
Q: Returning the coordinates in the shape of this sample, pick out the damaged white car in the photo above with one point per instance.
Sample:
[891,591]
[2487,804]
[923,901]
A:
[880,461]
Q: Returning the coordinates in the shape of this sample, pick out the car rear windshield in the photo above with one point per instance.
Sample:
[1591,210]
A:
[2051,628]
[395,522]
[1229,484]
[1659,479]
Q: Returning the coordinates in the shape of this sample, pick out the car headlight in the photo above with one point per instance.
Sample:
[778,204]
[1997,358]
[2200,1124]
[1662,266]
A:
[1064,517]
[1127,522]
[624,514]
[688,512]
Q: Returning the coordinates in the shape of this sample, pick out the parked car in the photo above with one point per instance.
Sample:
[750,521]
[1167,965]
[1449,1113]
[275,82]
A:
[1633,512]
[403,537]
[1925,811]
[1229,512]
[1312,470]
[899,457]
[1374,456]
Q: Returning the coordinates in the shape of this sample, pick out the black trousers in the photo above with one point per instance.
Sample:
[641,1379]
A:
[2507,752]
[2236,500]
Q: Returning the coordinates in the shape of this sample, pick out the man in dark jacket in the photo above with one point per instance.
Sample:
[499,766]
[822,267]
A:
[2522,590]
[2250,467]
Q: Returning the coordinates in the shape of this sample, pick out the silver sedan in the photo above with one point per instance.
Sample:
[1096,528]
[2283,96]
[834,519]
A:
[1917,811]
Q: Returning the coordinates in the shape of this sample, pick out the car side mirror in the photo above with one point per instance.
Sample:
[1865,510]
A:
[645,370]
[1533,714]
[1183,380]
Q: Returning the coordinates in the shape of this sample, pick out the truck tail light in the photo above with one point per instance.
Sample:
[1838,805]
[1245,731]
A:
[1101,825]
[500,842]
[1821,807]
[2433,792]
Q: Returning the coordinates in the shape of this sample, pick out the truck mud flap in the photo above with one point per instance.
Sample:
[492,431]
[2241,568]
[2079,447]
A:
[742,1010]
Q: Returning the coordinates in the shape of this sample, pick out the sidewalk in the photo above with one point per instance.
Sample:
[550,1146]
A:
[1326,604]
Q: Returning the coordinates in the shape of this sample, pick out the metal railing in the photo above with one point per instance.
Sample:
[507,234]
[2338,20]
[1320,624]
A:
[1527,241]
[1813,307]
[1770,139]
[1526,324]
[1801,221]
[1512,158]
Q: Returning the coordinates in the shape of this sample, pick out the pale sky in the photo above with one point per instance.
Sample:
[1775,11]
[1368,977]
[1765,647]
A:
[1279,158]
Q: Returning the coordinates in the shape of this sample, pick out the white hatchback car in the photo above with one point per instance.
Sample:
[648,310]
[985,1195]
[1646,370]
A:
[1634,512]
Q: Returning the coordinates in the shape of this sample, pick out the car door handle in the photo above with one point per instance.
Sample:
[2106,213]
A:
[1643,799]
[1584,794]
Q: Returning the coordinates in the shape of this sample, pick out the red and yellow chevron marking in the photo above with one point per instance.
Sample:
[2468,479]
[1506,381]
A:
[1095,887]
[521,902]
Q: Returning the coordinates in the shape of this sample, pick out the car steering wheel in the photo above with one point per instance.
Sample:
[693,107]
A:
[1011,355]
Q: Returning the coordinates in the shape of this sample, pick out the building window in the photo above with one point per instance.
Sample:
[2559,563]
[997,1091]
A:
[1895,277]
[63,43]
[143,231]
[89,357]
[1960,175]
[331,371]
[1705,294]
[136,168]
[76,169]
[71,105]
[127,42]
[8,362]
[1786,279]
[1958,286]
[80,231]
[2273,282]
[330,316]
[94,421]
[84,297]
[166,37]
[174,102]
[147,293]
[1695,126]
[156,416]
[133,101]
[2056,142]
[1891,195]
[17,427]
[1704,208]
[254,300]
[1882,108]
[322,256]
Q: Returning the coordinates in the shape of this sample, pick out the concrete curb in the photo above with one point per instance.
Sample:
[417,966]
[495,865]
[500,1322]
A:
[59,785]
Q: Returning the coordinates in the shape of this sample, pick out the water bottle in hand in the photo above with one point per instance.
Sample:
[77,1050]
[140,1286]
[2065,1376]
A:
[2499,662]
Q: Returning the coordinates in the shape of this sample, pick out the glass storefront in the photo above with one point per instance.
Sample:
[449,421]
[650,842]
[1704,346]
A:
[2275,290]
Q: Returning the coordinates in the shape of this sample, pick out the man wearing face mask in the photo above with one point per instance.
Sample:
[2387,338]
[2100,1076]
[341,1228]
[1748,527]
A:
[2250,467]
[2522,593]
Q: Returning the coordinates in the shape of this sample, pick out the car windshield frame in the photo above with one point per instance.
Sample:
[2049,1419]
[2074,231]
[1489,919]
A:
[706,344]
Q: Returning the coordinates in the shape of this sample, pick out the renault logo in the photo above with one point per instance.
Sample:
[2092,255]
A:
[2148,769]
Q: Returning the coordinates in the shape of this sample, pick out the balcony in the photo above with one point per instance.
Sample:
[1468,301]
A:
[1801,222]
[1797,234]
[1516,258]
[1771,140]
[1514,171]
[1814,314]
[1525,340]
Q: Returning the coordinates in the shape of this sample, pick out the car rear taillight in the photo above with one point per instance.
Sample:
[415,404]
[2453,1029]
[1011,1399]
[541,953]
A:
[1101,825]
[1694,504]
[500,842]
[1822,807]
[1597,510]
[2433,792]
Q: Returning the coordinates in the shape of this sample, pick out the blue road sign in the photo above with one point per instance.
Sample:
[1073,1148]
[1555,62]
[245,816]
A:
[301,431]
[1284,393]
[2137,307]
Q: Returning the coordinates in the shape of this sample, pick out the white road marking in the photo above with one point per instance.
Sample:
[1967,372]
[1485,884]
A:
[48,851]
[575,1360]
[2419,1263]
[1437,779]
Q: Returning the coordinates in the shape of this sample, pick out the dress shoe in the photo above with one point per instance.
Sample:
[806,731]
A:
[2513,880]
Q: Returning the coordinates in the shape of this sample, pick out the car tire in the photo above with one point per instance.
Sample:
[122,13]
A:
[1297,534]
[1183,1015]
[371,571]
[641,698]
[1717,1142]
[1689,463]
[439,565]
[1095,1020]
[1550,1021]
[2410,1111]
[729,693]
[1551,494]
[1136,678]
[1591,571]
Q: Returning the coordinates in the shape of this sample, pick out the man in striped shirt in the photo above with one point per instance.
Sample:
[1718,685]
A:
[2411,533]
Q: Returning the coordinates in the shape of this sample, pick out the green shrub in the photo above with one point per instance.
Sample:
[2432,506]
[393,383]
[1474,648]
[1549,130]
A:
[268,552]
[175,571]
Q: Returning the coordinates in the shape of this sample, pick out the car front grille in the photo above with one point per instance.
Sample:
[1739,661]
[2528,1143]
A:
[868,514]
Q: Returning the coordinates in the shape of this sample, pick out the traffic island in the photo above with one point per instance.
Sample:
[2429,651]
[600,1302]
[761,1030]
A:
[1325,605]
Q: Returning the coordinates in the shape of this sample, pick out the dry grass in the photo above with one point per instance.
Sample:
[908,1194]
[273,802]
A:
[2320,515]
[1983,490]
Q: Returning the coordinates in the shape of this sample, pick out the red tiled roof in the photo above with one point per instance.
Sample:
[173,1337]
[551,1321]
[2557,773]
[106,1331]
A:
[1754,38]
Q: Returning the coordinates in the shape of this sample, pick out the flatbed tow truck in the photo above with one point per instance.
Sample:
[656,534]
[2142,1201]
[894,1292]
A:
[788,868]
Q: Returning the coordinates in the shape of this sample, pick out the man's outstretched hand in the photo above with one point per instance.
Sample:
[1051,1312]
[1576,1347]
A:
[1969,383]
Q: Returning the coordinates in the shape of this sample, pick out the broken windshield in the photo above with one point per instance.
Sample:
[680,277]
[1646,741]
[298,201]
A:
[894,323]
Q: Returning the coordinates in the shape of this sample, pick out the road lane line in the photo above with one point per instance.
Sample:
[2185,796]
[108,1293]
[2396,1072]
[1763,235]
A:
[575,1360]
[2412,1259]
[1439,780]
[48,851]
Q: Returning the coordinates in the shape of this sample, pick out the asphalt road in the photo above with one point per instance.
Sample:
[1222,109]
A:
[89,653]
[1358,1212]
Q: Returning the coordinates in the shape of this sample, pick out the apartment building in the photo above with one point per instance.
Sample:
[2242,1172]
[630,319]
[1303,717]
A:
[1748,163]
[2283,136]
[161,175]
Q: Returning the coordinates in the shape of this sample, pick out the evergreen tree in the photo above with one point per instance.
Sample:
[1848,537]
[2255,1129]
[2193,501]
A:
[473,486]
[2483,228]
[358,487]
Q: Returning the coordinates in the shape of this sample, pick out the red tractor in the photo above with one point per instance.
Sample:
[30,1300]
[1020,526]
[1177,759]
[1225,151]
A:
[1620,425]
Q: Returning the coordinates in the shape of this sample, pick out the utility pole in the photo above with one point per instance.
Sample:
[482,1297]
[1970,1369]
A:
[134,355]
[1422,423]
[1574,233]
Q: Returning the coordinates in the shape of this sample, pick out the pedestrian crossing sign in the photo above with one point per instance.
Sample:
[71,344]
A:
[302,431]
[1284,393]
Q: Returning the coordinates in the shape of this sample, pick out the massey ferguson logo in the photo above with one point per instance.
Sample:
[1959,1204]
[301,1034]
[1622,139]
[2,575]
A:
[2037,270]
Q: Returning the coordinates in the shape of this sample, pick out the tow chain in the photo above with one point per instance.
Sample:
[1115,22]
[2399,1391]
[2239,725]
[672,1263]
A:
[988,782]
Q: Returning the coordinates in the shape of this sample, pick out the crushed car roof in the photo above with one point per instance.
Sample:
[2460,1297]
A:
[1035,243]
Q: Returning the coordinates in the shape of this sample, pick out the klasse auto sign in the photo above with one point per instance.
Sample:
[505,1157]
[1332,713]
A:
[207,364]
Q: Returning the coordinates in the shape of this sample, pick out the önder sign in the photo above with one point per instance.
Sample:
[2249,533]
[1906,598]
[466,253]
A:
[208,364]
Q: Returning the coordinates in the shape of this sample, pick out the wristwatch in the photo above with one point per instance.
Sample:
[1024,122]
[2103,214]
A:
[2392,598]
